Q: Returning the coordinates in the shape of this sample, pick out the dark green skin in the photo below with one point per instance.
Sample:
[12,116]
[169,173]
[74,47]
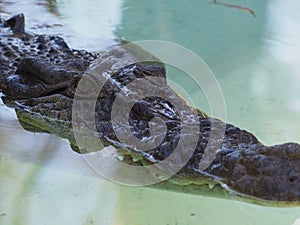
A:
[39,74]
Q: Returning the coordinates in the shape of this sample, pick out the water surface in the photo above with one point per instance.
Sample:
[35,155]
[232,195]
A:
[255,61]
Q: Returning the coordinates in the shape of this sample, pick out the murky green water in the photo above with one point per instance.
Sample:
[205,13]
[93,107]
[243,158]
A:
[255,61]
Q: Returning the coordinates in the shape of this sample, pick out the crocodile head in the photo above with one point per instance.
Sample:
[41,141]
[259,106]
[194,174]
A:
[39,76]
[40,73]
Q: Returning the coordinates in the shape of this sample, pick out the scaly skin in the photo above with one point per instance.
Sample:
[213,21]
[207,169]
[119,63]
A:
[39,75]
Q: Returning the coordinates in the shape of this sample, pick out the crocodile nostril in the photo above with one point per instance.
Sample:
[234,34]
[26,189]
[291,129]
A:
[293,178]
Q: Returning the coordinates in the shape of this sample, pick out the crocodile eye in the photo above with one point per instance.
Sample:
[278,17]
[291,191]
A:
[293,178]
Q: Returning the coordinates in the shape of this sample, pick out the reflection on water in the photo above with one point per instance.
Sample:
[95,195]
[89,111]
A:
[276,81]
[40,177]
[255,60]
[93,23]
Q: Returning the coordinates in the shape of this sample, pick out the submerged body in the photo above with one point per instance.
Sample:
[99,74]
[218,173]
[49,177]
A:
[39,75]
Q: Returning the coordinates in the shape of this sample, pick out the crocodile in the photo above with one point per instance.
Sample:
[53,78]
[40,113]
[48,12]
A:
[40,76]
